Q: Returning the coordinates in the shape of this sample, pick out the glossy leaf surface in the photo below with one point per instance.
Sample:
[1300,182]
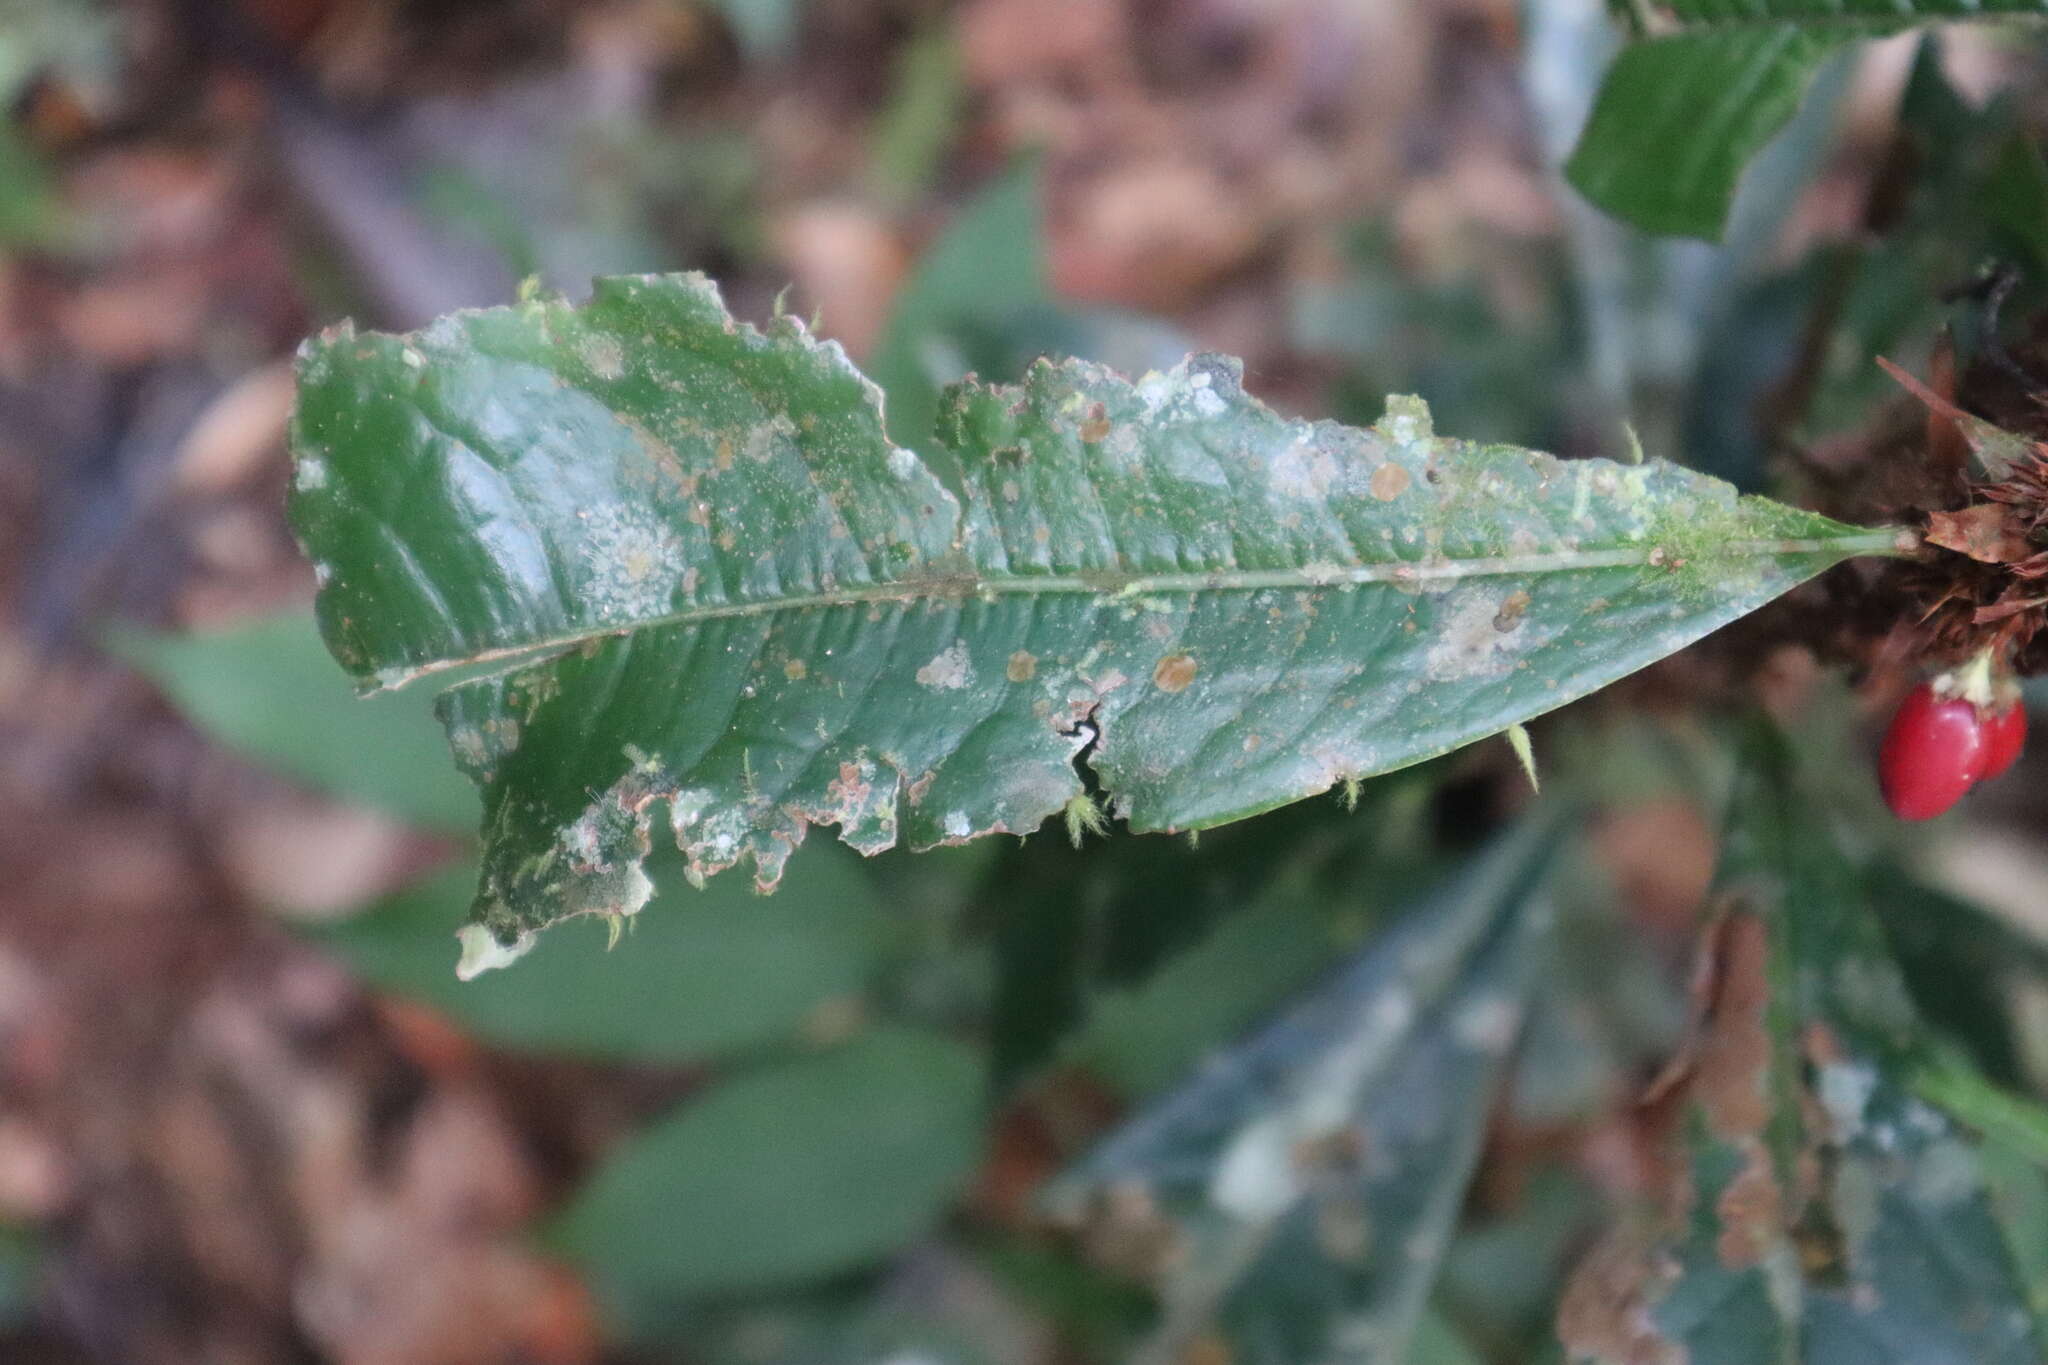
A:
[716,587]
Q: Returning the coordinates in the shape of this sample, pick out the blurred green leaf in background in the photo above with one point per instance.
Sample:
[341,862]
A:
[21,1261]
[1300,1189]
[783,1174]
[1818,1209]
[269,692]
[1345,1085]
[703,975]
[1705,85]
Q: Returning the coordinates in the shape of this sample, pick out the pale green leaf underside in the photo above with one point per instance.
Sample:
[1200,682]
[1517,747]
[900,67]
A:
[720,590]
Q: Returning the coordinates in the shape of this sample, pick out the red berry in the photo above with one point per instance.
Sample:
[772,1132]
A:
[1933,753]
[2005,734]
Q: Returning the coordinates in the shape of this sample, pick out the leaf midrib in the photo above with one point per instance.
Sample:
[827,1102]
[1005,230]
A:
[1123,585]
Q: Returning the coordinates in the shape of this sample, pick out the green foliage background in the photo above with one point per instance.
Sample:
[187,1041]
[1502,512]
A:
[864,1041]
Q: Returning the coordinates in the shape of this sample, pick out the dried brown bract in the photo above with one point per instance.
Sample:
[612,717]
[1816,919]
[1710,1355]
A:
[1982,579]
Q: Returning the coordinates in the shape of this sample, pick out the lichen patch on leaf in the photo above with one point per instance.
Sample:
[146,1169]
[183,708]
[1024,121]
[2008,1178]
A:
[605,356]
[949,670]
[1304,470]
[635,564]
[1478,634]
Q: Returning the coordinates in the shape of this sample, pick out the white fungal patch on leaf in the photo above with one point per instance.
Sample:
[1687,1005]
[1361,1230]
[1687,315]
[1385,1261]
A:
[588,839]
[467,742]
[687,807]
[1337,1074]
[310,474]
[1844,1090]
[1256,1179]
[634,561]
[853,795]
[1479,634]
[717,839]
[949,670]
[1123,447]
[1946,1174]
[1488,1023]
[1156,390]
[605,357]
[776,436]
[1303,470]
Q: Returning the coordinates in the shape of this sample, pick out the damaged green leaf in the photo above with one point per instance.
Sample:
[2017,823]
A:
[1818,1208]
[711,585]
